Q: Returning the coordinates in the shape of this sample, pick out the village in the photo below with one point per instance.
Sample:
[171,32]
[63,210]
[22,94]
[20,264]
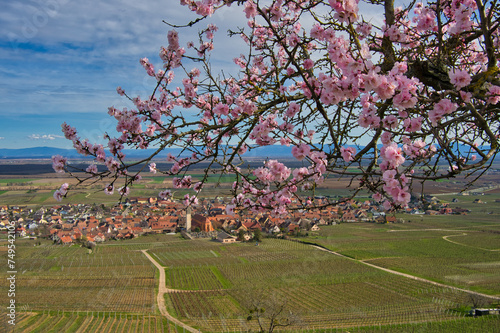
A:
[135,217]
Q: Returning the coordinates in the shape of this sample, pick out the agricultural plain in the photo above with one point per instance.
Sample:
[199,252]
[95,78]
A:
[213,287]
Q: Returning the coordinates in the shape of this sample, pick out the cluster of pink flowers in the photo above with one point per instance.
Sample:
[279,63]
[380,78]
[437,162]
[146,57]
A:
[301,151]
[184,182]
[61,192]
[346,10]
[109,189]
[347,153]
[58,163]
[165,195]
[190,200]
[308,90]
[493,94]
[124,191]
[92,169]
[395,185]
[392,156]
[273,171]
[418,149]
[425,19]
[461,11]
[460,78]
[441,109]
[261,132]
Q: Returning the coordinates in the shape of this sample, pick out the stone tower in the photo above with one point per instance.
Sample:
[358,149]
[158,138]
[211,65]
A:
[188,219]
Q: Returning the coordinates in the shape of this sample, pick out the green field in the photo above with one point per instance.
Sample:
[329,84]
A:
[213,286]
[16,180]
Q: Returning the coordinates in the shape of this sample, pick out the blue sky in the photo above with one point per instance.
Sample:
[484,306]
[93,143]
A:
[61,61]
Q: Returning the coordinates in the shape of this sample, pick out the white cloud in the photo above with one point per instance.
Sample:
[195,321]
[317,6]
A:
[44,136]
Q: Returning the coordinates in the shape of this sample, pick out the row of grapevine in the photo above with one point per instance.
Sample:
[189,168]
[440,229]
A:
[92,322]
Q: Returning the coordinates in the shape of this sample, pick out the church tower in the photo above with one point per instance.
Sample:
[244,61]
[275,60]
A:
[188,219]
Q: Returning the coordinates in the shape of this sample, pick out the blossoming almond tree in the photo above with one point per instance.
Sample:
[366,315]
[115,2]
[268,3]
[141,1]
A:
[417,95]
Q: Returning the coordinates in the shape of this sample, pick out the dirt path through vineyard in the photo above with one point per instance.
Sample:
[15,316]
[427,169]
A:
[162,289]
[409,275]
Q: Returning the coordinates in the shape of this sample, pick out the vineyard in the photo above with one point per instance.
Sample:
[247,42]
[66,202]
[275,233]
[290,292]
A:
[106,322]
[213,286]
[71,279]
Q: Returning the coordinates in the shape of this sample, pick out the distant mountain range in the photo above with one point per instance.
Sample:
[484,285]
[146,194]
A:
[260,153]
[48,152]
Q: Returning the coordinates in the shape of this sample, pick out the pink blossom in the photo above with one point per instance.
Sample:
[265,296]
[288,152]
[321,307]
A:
[278,171]
[58,163]
[166,194]
[308,64]
[110,189]
[386,138]
[243,149]
[230,209]
[64,188]
[390,122]
[318,157]
[493,94]
[426,19]
[111,164]
[403,197]
[152,168]
[174,169]
[317,31]
[300,173]
[221,109]
[58,195]
[173,40]
[460,78]
[198,186]
[92,169]
[170,157]
[292,110]
[466,96]
[386,88]
[392,154]
[347,153]
[413,124]
[301,151]
[250,9]
[365,119]
[372,80]
[404,100]
[377,196]
[188,201]
[184,182]
[442,108]
[69,132]
[389,175]
[120,91]
[364,29]
[345,10]
[463,20]
[124,191]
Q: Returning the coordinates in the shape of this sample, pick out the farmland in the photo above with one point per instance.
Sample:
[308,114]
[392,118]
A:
[212,286]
